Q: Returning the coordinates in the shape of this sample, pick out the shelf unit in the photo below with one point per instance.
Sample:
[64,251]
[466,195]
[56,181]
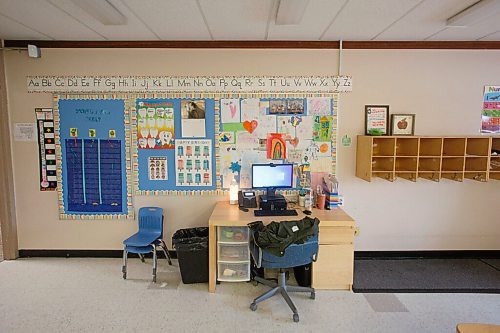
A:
[233,254]
[432,158]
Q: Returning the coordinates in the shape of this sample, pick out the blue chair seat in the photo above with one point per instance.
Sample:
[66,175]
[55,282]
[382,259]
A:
[138,249]
[142,239]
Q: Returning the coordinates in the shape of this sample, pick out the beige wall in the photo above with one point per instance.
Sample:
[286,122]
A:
[444,89]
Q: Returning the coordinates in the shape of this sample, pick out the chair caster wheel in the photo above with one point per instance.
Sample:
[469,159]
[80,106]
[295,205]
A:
[255,283]
[295,317]
[154,279]
[313,295]
[253,306]
[124,276]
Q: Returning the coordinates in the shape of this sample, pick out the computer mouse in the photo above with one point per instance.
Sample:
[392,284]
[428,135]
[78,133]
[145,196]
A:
[307,212]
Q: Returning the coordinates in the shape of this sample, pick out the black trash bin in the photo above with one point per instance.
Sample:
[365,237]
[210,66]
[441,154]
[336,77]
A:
[303,275]
[191,246]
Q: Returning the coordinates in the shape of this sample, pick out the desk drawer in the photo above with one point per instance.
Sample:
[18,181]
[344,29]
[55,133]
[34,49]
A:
[336,235]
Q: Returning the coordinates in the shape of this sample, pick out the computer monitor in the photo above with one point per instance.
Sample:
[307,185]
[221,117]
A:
[272,176]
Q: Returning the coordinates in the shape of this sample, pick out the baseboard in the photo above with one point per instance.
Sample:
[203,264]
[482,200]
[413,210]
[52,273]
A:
[448,254]
[83,254]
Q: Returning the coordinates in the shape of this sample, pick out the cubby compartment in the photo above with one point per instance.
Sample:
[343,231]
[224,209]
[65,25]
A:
[456,176]
[429,164]
[383,146]
[430,146]
[495,164]
[412,176]
[406,164]
[430,175]
[454,146]
[382,164]
[406,146]
[476,164]
[454,164]
[384,175]
[478,146]
[477,175]
[233,272]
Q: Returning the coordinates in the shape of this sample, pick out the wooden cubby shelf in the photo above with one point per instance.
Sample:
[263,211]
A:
[432,158]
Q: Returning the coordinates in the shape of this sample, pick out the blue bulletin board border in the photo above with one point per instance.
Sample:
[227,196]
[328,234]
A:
[63,214]
[217,188]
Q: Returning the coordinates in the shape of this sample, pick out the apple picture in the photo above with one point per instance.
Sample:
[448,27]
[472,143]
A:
[402,124]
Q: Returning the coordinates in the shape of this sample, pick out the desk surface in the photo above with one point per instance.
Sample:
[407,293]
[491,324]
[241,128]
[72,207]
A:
[225,214]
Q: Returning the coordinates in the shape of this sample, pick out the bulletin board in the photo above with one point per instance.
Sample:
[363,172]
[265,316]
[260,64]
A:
[175,155]
[92,137]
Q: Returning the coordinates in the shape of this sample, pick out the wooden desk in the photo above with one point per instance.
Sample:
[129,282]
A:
[334,268]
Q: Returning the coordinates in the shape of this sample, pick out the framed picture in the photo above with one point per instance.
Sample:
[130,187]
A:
[402,124]
[376,119]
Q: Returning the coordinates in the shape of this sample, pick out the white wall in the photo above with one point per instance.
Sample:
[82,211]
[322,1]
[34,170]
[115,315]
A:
[444,89]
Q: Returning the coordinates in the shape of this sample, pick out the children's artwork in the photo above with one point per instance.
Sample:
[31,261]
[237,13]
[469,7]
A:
[294,155]
[193,118]
[245,140]
[155,125]
[491,110]
[193,162]
[263,107]
[250,109]
[321,164]
[277,106]
[276,147]
[322,128]
[230,164]
[319,106]
[250,126]
[266,125]
[226,137]
[248,158]
[46,149]
[303,176]
[324,149]
[297,130]
[311,152]
[157,166]
[295,106]
[230,110]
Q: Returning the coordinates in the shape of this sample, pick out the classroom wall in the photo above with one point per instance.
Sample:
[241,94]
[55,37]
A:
[444,89]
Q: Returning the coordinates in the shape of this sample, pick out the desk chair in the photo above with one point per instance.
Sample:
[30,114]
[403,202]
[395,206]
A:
[295,255]
[147,239]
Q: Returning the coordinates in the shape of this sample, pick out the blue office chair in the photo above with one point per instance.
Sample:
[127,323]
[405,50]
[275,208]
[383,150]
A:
[147,239]
[295,255]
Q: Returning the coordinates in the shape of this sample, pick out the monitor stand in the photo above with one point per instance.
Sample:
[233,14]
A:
[272,201]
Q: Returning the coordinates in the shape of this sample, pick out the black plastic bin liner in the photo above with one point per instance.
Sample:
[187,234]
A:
[191,246]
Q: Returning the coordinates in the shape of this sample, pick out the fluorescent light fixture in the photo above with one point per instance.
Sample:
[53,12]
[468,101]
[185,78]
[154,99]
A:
[103,11]
[475,13]
[290,12]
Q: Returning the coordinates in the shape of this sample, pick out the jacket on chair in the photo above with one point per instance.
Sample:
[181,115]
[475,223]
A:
[277,236]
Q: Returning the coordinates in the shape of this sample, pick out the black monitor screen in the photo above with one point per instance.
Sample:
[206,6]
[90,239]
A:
[272,175]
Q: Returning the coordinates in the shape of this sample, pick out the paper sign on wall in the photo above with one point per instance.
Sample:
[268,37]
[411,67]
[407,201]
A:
[193,162]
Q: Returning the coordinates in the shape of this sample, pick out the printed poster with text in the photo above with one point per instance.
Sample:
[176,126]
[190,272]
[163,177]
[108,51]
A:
[491,110]
[193,162]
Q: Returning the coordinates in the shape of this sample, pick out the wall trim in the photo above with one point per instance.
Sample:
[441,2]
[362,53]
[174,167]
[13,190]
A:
[85,254]
[200,44]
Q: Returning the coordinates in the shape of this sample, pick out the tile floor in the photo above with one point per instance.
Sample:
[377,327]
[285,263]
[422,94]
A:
[89,295]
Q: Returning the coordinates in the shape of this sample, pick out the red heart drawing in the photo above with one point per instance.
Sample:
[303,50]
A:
[250,126]
[295,142]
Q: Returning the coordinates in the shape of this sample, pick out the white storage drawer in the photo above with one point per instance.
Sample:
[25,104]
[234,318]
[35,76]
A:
[233,252]
[233,272]
[233,234]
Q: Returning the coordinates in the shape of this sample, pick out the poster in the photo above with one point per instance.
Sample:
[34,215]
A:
[193,118]
[46,149]
[230,110]
[376,119]
[230,164]
[157,168]
[155,124]
[322,128]
[491,110]
[193,162]
[276,146]
[24,132]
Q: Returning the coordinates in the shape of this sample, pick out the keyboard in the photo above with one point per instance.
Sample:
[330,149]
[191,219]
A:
[287,212]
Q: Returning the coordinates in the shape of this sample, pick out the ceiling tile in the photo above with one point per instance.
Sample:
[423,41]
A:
[46,18]
[363,20]
[10,29]
[493,37]
[133,30]
[317,17]
[171,19]
[474,32]
[232,20]
[426,19]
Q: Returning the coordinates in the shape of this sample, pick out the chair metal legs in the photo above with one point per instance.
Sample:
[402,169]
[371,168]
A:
[281,288]
[124,267]
[165,250]
[154,263]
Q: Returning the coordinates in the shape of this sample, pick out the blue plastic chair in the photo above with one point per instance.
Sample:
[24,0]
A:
[147,239]
[295,255]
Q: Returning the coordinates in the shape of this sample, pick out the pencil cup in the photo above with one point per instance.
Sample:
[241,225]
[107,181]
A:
[321,201]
